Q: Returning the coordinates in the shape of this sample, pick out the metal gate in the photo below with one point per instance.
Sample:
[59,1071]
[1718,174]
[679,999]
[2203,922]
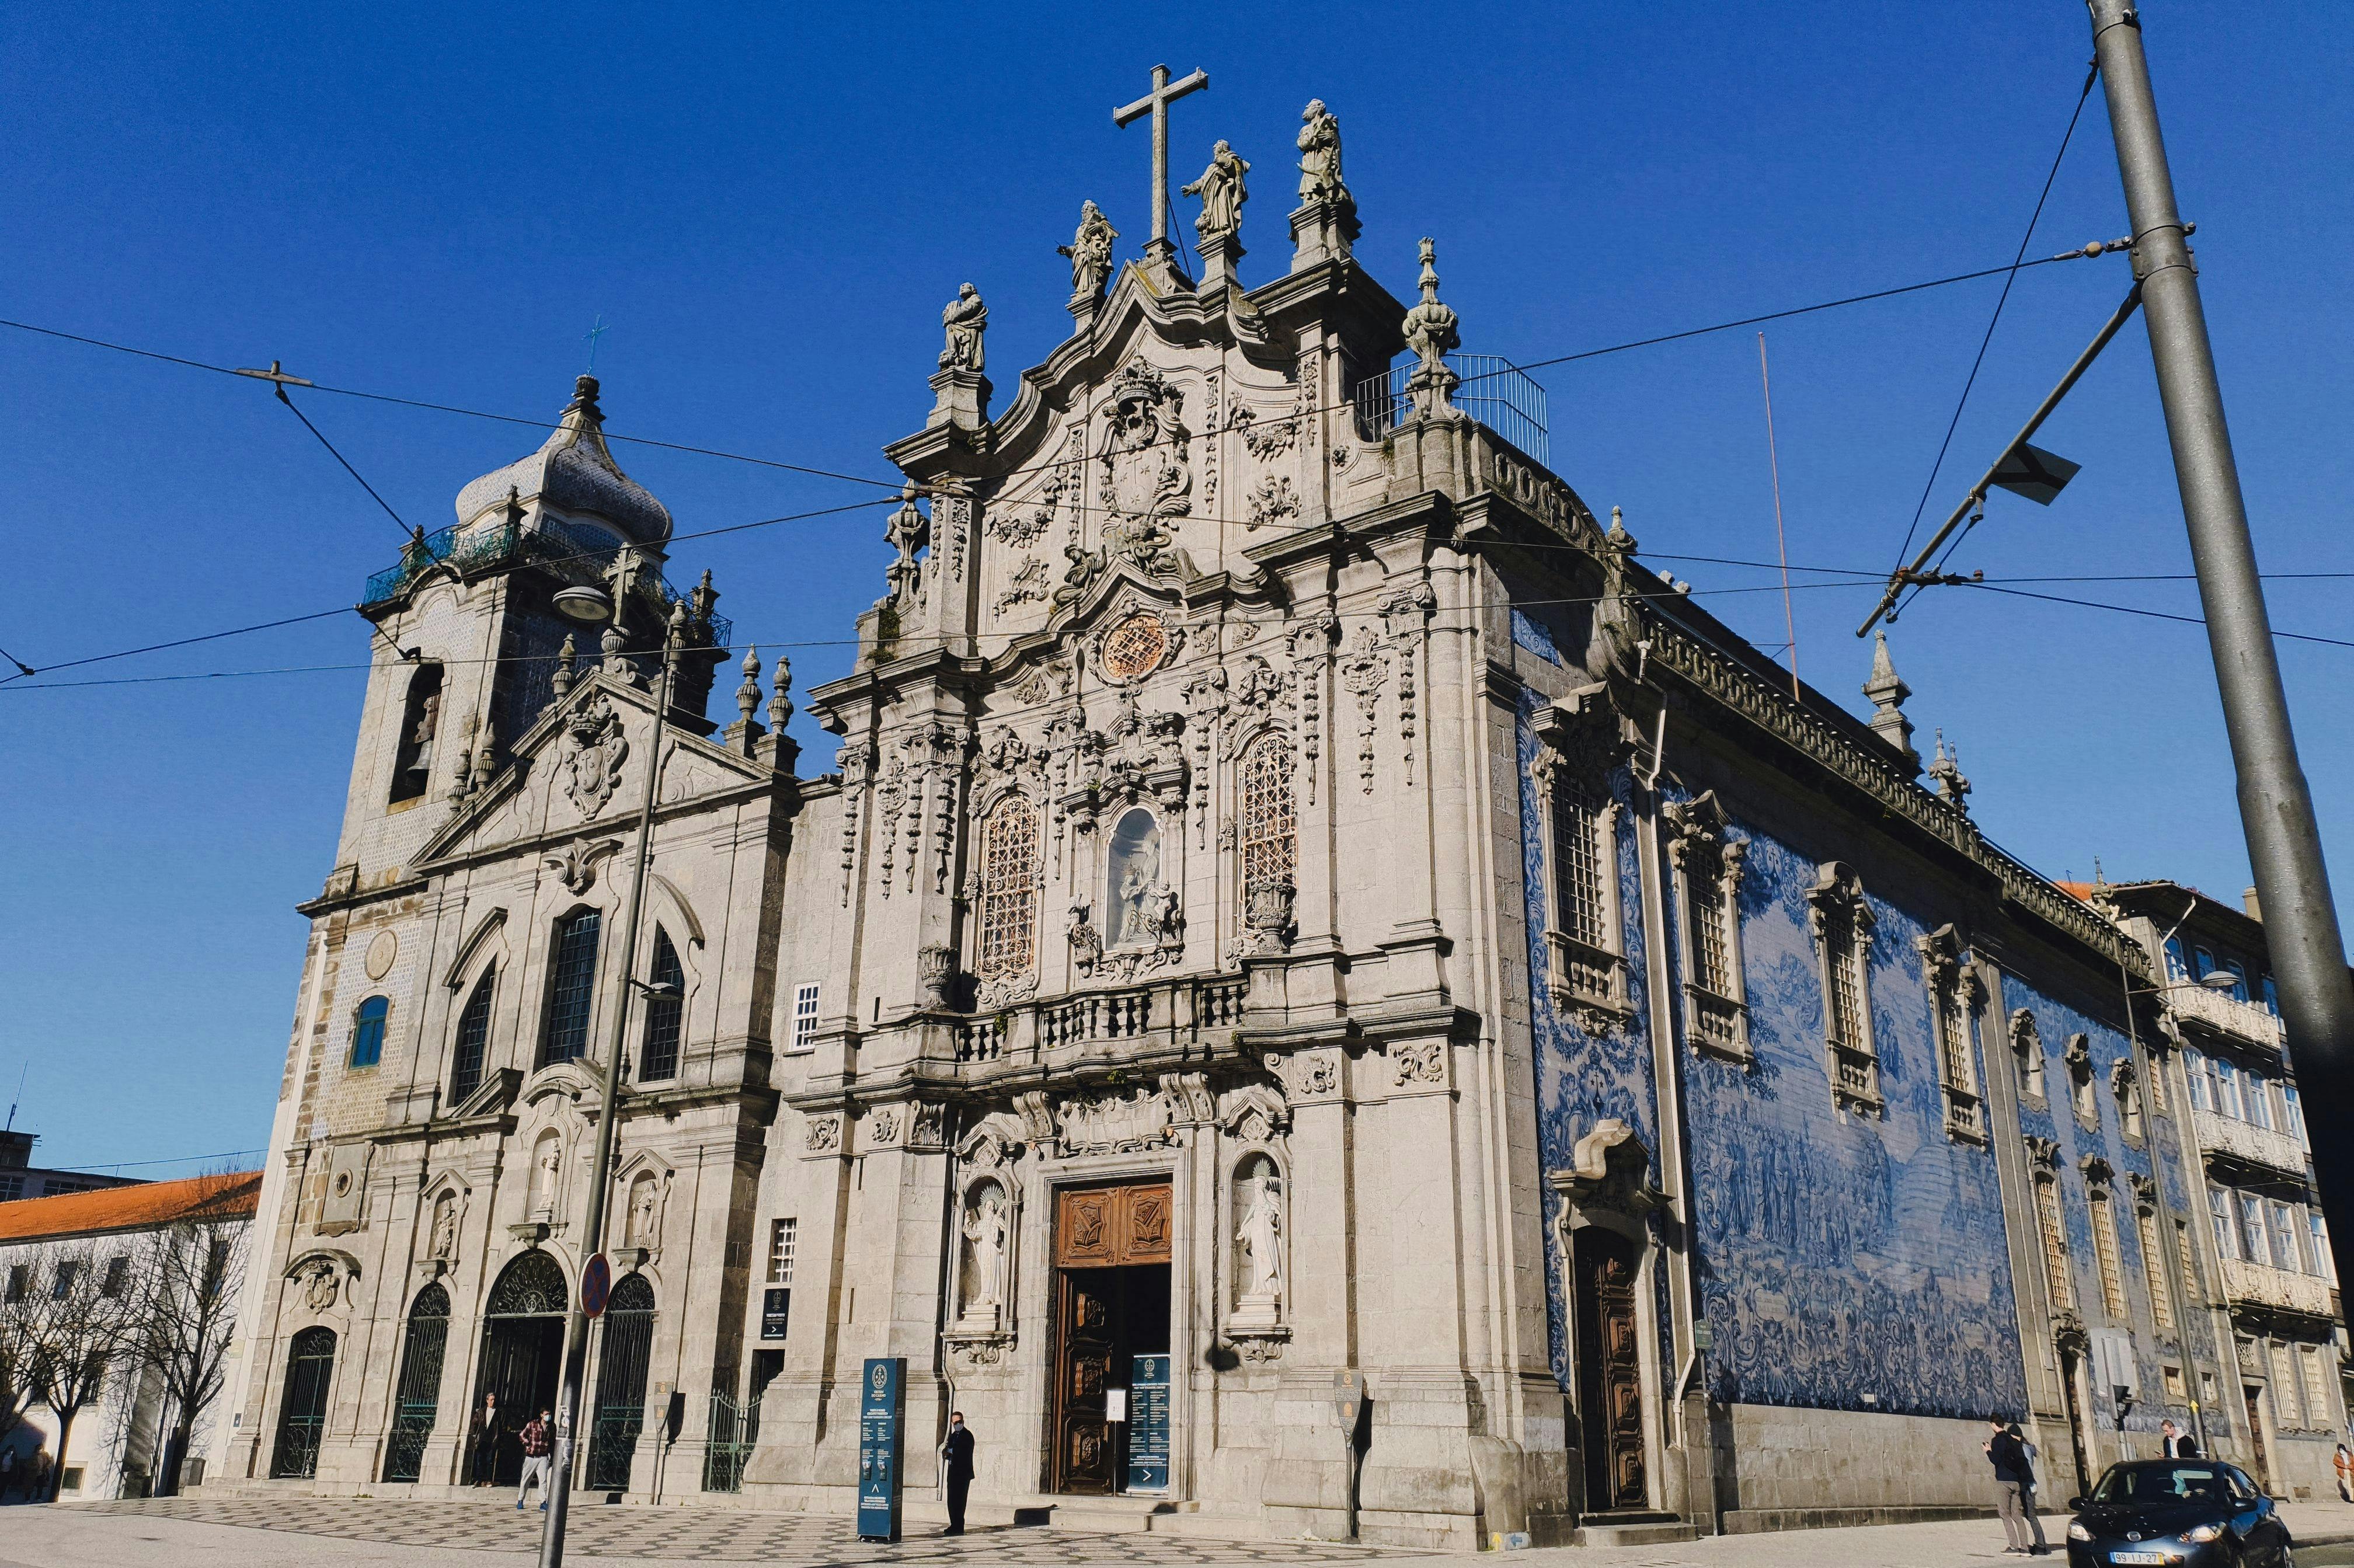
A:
[417,1399]
[302,1413]
[620,1410]
[735,1427]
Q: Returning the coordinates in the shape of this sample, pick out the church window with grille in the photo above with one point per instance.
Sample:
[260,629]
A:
[571,993]
[1009,890]
[2055,1243]
[1955,990]
[2105,1254]
[2153,1267]
[1708,862]
[1266,840]
[1584,967]
[665,1012]
[473,1042]
[1843,924]
[368,1032]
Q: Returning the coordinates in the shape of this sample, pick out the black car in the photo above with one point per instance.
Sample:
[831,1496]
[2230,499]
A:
[2176,1513]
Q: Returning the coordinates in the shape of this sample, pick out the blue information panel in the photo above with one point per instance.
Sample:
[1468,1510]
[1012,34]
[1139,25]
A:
[878,1448]
[1148,1423]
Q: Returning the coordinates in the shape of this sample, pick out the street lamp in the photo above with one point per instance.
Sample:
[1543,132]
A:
[592,606]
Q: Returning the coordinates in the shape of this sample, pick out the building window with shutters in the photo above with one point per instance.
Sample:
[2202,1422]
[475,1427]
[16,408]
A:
[1843,922]
[1954,994]
[2055,1242]
[1707,861]
[2317,1386]
[2105,1254]
[2153,1262]
[1006,963]
[666,1014]
[572,992]
[1586,960]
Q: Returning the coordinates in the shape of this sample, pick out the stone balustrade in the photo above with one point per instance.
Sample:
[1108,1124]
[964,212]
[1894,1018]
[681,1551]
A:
[2260,1285]
[2220,1134]
[1167,1012]
[2226,1015]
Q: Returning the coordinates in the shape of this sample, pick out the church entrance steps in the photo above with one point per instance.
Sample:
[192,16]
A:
[1094,1515]
[1632,1527]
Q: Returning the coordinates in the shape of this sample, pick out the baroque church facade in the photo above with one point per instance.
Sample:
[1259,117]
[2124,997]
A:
[1298,910]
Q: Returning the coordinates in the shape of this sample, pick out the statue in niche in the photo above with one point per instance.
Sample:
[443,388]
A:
[1221,193]
[987,1231]
[544,1173]
[965,319]
[643,1201]
[1133,889]
[1319,155]
[444,1245]
[1090,251]
[1258,1241]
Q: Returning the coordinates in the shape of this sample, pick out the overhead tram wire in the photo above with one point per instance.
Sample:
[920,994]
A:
[1992,321]
[897,484]
[1668,594]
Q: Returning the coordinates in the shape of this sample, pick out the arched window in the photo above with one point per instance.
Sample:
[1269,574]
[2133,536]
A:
[620,1408]
[658,1056]
[1009,890]
[417,1399]
[474,1045]
[420,717]
[368,1032]
[571,987]
[1265,841]
[303,1410]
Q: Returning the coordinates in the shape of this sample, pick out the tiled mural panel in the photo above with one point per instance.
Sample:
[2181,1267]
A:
[1581,1078]
[1847,1262]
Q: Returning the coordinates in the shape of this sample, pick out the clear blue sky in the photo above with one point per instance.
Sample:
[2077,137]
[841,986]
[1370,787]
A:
[769,206]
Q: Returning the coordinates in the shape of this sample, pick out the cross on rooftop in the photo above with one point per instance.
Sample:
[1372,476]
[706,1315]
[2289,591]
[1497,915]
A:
[1159,252]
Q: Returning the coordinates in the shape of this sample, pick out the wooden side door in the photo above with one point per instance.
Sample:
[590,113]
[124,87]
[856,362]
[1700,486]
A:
[1084,1456]
[1098,1231]
[1610,1374]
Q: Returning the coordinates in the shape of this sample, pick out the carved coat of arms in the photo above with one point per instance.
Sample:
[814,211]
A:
[1145,472]
[595,745]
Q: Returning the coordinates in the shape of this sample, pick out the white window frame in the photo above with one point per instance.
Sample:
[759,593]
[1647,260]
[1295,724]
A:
[784,1237]
[803,1038]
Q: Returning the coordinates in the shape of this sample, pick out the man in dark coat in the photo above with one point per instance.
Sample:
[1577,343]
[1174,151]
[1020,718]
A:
[958,1452]
[486,1443]
[2175,1443]
[2008,1457]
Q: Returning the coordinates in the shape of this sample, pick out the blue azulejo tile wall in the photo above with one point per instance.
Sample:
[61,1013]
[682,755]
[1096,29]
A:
[1847,1262]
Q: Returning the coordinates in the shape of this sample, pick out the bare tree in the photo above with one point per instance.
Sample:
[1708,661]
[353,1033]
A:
[61,1334]
[181,1314]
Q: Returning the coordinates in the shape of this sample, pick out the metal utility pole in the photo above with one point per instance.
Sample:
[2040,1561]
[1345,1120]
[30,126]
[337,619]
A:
[592,1234]
[2308,955]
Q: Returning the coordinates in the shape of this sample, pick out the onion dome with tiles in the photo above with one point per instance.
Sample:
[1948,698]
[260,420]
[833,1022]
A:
[571,483]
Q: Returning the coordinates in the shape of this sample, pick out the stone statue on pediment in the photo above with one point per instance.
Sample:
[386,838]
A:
[1090,251]
[964,320]
[1319,155]
[1221,193]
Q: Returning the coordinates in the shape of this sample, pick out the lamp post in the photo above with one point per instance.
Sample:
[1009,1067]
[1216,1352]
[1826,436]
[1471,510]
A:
[591,606]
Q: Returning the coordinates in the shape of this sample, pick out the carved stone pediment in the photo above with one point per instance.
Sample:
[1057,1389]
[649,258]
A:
[1115,1124]
[1609,1172]
[320,1277]
[496,1093]
[578,1082]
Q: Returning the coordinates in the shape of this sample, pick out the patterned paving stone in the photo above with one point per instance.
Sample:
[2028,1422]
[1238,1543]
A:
[709,1537]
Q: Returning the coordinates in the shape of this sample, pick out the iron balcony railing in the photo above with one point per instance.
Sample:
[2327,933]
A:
[1494,391]
[573,554]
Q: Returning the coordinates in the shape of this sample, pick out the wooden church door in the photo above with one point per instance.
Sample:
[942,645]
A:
[1610,1375]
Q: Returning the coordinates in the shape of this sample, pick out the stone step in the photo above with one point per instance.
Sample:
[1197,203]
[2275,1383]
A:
[1095,1515]
[1632,1527]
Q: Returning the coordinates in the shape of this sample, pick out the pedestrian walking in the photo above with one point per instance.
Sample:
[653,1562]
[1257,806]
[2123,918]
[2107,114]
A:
[956,1453]
[2176,1444]
[39,1490]
[2008,1457]
[9,1470]
[2027,1503]
[535,1439]
[486,1444]
[2344,1462]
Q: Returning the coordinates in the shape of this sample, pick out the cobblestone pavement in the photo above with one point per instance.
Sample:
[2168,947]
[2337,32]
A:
[698,1535]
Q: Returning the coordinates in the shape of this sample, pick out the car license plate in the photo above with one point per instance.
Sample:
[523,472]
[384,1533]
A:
[2123,1558]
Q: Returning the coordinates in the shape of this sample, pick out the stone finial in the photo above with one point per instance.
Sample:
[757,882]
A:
[560,679]
[780,706]
[704,596]
[462,773]
[1947,771]
[485,742]
[1618,538]
[1090,254]
[616,662]
[584,397]
[1431,332]
[1888,690]
[748,695]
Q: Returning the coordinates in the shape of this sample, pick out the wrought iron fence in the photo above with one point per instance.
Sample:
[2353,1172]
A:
[1492,390]
[734,1428]
[620,1412]
[417,1399]
[573,554]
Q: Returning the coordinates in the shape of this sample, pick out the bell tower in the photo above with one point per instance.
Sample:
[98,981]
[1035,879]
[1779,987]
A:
[554,561]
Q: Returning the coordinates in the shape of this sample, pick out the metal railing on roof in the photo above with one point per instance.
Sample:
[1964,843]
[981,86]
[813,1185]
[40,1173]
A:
[1492,390]
[575,555]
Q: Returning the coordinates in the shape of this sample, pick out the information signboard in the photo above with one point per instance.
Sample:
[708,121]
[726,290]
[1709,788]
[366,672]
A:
[776,1311]
[878,1447]
[1148,1423]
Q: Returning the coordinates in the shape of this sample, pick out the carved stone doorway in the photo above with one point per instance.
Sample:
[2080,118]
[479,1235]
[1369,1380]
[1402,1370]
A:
[1111,1303]
[1609,1370]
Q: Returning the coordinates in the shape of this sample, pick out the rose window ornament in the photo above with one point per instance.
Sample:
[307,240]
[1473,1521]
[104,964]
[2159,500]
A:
[1135,647]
